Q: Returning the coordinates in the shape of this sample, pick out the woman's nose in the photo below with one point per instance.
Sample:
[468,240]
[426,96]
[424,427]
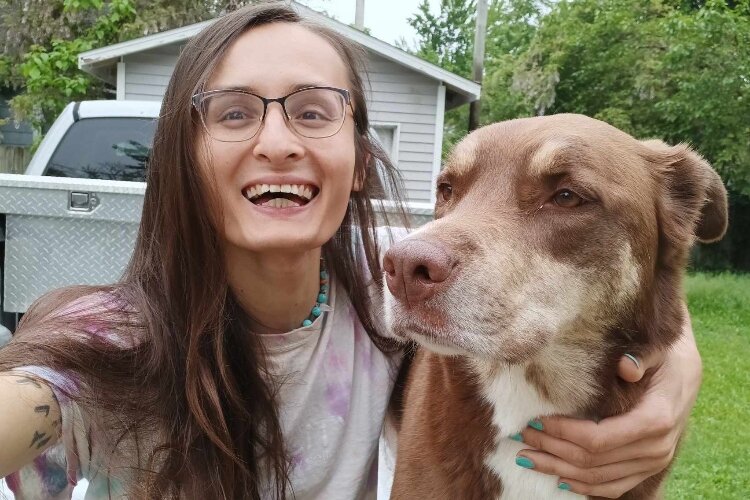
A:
[275,141]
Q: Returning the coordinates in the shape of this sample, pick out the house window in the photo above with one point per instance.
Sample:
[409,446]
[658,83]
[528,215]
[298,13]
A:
[387,134]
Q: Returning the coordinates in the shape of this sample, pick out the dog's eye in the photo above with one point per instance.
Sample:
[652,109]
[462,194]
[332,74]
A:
[566,198]
[445,191]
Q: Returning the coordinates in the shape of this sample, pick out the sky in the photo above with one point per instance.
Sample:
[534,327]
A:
[385,18]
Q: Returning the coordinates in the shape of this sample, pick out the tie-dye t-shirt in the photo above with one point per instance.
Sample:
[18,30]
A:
[332,408]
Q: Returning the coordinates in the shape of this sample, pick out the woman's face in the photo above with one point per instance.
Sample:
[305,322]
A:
[272,61]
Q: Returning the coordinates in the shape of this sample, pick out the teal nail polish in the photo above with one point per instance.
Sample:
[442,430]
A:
[633,359]
[536,424]
[564,486]
[517,437]
[524,462]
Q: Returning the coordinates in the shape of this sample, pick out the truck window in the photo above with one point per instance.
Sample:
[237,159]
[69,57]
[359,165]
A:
[104,148]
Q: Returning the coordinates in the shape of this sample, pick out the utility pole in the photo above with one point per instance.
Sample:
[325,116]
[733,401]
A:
[479,37]
[359,15]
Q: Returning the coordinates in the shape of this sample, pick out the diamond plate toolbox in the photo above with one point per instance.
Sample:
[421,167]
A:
[61,232]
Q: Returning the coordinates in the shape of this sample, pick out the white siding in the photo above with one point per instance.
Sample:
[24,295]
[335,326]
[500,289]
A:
[399,95]
[395,95]
[147,73]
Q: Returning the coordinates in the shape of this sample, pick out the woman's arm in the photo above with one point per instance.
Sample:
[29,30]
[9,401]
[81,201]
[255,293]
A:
[611,457]
[29,420]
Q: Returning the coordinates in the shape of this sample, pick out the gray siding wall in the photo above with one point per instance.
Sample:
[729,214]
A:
[147,73]
[399,95]
[396,95]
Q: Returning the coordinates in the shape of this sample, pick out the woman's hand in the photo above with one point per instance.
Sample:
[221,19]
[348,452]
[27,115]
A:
[613,456]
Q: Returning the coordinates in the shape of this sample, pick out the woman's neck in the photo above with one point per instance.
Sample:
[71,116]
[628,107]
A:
[276,291]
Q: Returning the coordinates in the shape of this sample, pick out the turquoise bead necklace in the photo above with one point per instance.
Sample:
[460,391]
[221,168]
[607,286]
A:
[322,296]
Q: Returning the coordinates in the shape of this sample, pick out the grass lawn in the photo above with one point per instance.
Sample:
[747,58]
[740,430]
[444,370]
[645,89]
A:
[714,462]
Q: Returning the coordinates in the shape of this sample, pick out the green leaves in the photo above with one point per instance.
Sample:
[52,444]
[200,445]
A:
[446,39]
[674,69]
[50,72]
[73,5]
[52,80]
[43,39]
[653,69]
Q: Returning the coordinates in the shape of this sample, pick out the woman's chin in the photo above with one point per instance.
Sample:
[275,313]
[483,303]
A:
[282,240]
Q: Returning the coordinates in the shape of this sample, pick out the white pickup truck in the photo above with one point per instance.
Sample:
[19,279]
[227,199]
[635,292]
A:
[72,217]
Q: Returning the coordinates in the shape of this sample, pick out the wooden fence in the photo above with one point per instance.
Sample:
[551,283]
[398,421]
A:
[14,159]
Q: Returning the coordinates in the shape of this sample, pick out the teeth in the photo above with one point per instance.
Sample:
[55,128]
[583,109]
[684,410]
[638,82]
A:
[297,189]
[280,203]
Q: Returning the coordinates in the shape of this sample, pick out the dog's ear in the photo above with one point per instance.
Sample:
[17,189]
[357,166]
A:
[695,198]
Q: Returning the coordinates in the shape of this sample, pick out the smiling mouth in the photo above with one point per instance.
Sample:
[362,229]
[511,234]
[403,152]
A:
[281,195]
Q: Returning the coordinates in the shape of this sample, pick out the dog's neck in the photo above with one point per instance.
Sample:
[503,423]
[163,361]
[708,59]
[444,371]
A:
[559,380]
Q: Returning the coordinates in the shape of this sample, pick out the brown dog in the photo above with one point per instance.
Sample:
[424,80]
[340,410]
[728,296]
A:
[559,245]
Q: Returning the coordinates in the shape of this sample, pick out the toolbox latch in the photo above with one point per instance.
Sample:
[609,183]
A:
[82,201]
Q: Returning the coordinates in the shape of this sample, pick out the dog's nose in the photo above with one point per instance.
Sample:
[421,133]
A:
[415,269]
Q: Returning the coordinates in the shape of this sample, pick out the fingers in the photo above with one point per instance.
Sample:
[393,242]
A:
[612,489]
[610,433]
[659,448]
[631,368]
[549,464]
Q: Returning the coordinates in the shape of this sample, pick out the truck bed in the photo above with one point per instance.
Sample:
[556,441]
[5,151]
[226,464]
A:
[54,239]
[62,231]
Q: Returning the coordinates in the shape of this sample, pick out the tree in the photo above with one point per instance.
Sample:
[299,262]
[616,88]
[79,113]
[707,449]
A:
[674,69]
[42,40]
[678,70]
[447,40]
[653,69]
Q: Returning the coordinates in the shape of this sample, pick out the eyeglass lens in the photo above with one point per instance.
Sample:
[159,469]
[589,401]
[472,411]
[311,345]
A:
[236,116]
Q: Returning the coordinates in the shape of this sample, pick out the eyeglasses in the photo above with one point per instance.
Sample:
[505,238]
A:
[237,115]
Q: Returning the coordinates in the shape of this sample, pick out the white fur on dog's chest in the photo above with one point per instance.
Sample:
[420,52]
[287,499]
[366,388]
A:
[515,402]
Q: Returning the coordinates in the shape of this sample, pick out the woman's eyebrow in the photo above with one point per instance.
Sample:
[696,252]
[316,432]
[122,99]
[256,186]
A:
[300,86]
[292,88]
[242,88]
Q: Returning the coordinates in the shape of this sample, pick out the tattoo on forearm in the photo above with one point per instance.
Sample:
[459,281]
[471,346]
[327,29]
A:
[40,439]
[42,409]
[27,380]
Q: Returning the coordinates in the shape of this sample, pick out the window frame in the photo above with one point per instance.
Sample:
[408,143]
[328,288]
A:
[396,127]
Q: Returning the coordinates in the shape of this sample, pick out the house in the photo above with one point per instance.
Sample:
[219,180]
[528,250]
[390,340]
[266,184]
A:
[407,97]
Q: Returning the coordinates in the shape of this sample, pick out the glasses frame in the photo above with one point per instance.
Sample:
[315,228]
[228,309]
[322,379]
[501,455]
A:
[200,97]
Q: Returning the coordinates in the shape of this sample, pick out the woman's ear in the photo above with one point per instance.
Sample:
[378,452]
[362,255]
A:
[694,198]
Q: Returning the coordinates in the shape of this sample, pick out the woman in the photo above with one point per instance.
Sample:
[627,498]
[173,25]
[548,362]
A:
[241,356]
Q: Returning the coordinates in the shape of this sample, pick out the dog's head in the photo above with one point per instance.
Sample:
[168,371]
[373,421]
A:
[551,230]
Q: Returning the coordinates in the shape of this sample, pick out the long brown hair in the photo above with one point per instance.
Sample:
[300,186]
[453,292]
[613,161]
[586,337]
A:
[184,374]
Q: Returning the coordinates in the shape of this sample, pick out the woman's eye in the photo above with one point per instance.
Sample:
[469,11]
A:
[445,191]
[566,198]
[234,115]
[310,115]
